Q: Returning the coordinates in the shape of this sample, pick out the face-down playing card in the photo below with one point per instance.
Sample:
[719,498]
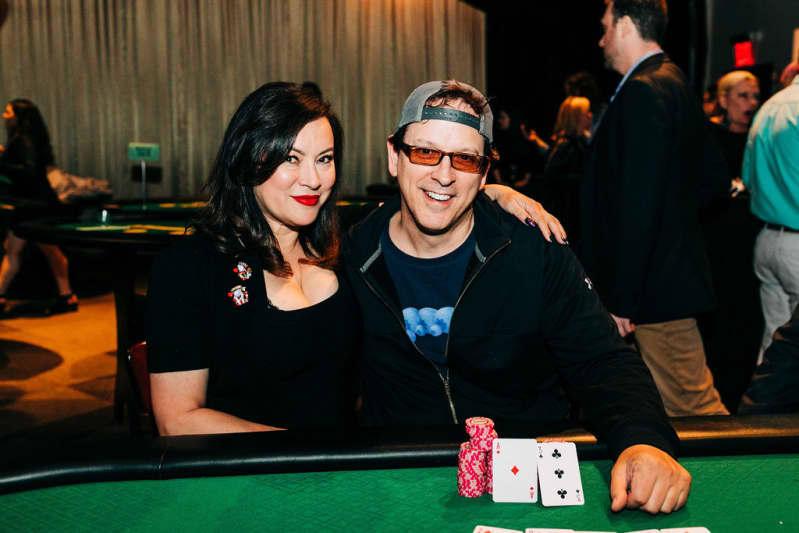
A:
[514,470]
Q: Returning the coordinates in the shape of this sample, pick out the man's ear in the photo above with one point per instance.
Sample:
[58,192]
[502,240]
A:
[723,102]
[626,27]
[393,159]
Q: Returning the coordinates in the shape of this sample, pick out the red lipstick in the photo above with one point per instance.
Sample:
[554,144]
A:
[309,200]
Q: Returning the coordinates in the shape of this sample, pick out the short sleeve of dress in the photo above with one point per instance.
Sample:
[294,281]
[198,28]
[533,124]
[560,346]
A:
[180,318]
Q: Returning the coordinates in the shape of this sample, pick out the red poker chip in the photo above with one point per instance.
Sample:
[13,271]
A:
[478,422]
[481,432]
[483,442]
[471,471]
[479,425]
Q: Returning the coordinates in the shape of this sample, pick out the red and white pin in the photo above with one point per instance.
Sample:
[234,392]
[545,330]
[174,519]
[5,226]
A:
[243,270]
[239,295]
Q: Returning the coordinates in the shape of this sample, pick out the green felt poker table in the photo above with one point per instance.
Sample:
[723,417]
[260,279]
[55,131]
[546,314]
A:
[133,227]
[745,478]
[130,234]
[167,205]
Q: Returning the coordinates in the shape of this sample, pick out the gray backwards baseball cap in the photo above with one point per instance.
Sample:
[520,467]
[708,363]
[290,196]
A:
[414,109]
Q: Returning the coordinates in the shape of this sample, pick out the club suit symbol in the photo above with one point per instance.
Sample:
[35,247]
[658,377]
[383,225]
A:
[556,454]
[562,493]
[559,473]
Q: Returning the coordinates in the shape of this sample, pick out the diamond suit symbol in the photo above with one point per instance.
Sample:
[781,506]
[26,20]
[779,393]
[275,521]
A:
[514,470]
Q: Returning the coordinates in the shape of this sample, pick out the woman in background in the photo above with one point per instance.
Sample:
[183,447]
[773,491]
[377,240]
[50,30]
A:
[564,168]
[738,99]
[732,331]
[24,160]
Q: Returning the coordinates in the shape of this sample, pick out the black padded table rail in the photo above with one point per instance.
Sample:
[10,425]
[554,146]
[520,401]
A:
[362,449]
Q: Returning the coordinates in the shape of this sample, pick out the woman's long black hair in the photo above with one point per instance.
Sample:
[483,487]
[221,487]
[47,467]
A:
[29,128]
[258,139]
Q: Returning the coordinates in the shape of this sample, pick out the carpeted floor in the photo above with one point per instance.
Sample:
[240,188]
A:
[57,376]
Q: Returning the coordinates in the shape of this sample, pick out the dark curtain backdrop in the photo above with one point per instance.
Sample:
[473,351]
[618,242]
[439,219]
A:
[107,72]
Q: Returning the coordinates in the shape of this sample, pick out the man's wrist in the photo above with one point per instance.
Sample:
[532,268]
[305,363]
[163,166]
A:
[630,435]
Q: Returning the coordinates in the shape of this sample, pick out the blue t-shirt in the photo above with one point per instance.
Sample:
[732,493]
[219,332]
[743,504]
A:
[428,290]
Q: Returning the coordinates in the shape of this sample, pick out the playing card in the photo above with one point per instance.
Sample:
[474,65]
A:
[686,530]
[515,478]
[559,474]
[492,529]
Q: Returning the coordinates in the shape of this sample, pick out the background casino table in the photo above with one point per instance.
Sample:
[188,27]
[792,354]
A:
[155,205]
[745,473]
[131,234]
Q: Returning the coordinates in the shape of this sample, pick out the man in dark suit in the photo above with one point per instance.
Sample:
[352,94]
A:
[645,172]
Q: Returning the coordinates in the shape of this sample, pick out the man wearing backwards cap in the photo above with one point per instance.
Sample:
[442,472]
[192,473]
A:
[468,312]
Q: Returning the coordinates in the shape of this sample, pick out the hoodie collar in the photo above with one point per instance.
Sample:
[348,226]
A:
[491,230]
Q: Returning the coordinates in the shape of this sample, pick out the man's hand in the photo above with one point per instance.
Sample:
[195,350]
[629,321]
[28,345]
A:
[625,326]
[533,137]
[527,210]
[647,478]
[737,187]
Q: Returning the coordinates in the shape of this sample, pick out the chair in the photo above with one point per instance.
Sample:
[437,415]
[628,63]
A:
[140,412]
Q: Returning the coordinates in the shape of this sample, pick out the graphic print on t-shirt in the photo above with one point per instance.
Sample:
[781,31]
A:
[426,321]
[427,291]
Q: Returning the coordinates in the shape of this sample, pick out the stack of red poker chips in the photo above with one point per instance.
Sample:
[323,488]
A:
[475,475]
[471,471]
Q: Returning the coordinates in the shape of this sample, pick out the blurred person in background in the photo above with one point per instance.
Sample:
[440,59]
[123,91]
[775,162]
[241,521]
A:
[513,167]
[789,73]
[770,172]
[775,384]
[24,160]
[710,102]
[566,161]
[584,84]
[732,331]
[738,100]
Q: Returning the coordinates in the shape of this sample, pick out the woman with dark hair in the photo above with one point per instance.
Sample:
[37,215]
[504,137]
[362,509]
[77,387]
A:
[24,161]
[250,328]
[564,168]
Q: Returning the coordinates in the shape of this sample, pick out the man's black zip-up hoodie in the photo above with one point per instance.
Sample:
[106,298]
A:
[527,319]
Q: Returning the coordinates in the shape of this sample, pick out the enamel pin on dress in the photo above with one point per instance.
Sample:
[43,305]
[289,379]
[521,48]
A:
[239,295]
[243,270]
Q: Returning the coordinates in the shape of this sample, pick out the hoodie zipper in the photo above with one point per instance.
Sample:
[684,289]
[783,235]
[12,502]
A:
[444,381]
